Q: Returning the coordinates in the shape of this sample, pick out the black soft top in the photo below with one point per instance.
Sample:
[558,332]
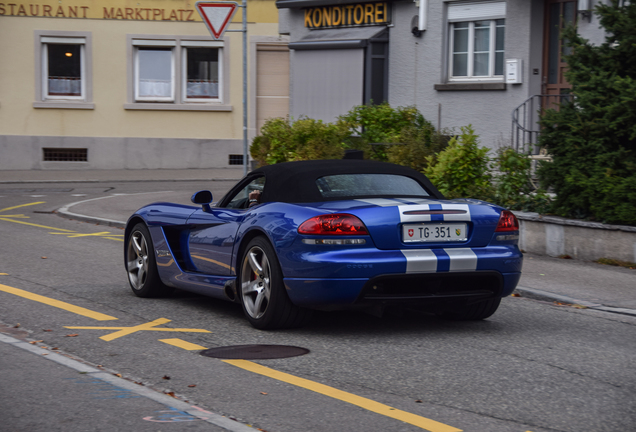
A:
[295,182]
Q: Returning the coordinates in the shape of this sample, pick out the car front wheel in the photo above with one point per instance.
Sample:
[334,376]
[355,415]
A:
[262,292]
[141,265]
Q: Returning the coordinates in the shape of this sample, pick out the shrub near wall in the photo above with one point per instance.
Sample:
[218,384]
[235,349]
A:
[304,139]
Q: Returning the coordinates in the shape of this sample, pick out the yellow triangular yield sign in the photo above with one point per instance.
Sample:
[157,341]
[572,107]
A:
[216,15]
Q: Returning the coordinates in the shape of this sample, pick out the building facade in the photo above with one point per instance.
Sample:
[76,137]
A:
[463,62]
[96,84]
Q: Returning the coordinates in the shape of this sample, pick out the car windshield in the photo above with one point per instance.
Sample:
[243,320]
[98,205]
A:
[365,185]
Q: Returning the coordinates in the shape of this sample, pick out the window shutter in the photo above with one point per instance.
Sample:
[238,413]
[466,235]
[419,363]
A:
[476,11]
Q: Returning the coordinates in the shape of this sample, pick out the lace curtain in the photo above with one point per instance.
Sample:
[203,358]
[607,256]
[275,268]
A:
[65,86]
[202,89]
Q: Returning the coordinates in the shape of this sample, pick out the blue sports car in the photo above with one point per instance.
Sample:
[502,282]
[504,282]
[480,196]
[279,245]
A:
[328,235]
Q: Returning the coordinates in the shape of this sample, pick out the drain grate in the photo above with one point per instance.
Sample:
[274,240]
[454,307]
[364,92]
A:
[254,352]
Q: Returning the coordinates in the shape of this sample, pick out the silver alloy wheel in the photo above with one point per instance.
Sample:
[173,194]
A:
[137,255]
[256,282]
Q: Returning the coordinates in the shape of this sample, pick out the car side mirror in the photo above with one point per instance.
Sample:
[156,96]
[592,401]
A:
[204,198]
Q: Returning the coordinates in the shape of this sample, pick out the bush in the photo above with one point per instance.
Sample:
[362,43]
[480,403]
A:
[592,140]
[513,185]
[461,170]
[305,139]
[398,135]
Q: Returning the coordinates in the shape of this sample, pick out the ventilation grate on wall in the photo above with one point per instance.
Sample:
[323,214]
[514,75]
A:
[65,154]
[236,159]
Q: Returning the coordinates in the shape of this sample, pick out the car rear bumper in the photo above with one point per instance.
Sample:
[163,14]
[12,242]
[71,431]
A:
[412,288]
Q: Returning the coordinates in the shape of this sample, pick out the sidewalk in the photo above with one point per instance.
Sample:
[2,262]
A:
[58,393]
[583,283]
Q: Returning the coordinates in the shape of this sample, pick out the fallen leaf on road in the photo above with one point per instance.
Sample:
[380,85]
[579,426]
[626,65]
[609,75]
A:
[17,325]
[47,330]
[43,257]
[117,375]
[192,385]
[166,377]
[170,394]
[516,295]
[418,401]
[72,335]
[263,393]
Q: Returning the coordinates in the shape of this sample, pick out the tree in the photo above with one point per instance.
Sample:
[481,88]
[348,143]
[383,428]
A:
[592,138]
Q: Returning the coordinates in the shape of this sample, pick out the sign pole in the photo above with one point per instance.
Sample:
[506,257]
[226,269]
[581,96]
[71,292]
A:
[245,158]
[217,16]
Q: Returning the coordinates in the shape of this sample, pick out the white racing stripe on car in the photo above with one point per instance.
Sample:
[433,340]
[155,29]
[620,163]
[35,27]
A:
[462,259]
[420,260]
[405,218]
[425,260]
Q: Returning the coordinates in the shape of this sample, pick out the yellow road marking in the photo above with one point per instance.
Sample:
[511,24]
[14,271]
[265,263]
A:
[22,205]
[32,224]
[368,404]
[19,216]
[124,331]
[11,218]
[57,303]
[180,343]
[99,234]
[4,274]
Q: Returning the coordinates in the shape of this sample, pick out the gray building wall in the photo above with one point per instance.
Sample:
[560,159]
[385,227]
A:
[118,153]
[418,64]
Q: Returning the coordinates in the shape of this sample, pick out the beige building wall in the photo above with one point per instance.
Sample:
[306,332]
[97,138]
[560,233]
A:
[117,132]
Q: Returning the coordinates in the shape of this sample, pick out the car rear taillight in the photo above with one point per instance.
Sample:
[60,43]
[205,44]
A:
[507,222]
[333,224]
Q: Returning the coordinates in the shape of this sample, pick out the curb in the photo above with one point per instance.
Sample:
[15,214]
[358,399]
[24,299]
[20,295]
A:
[536,294]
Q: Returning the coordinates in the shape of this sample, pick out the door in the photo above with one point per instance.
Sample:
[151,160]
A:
[558,14]
[272,83]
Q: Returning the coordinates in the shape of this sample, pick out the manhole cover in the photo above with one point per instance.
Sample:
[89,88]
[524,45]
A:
[254,352]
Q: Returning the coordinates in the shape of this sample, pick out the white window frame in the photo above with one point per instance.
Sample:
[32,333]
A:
[184,70]
[471,12]
[155,44]
[43,98]
[179,100]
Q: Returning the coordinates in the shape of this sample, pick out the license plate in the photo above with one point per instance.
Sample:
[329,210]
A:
[432,232]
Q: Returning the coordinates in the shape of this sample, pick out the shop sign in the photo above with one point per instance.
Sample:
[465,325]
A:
[155,10]
[352,15]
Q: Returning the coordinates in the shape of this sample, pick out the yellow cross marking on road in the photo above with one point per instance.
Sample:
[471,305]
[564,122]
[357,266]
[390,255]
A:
[151,326]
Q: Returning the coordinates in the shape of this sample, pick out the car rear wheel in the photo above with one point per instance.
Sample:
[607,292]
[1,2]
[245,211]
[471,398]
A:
[265,302]
[473,312]
[141,265]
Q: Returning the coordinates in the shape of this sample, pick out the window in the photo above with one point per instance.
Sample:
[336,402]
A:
[175,73]
[154,74]
[63,70]
[476,41]
[202,73]
[366,185]
[241,199]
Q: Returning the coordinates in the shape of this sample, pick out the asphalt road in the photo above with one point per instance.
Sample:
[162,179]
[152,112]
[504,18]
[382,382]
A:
[533,366]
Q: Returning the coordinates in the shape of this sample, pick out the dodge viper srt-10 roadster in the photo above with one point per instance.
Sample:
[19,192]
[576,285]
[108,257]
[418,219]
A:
[328,235]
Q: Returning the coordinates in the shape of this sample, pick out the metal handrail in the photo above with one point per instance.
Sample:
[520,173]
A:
[525,121]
